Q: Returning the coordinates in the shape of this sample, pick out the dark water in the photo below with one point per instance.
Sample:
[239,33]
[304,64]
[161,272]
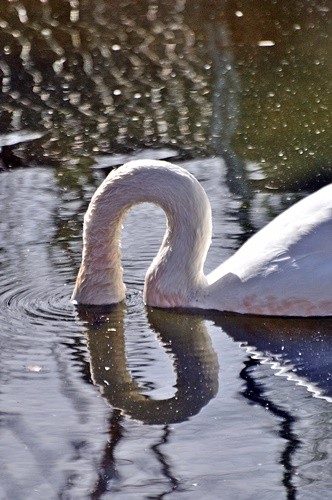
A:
[130,402]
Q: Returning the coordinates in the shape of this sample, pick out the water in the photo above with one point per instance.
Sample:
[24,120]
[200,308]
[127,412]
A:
[127,401]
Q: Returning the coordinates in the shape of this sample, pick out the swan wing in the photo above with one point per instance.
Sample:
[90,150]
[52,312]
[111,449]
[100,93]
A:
[286,268]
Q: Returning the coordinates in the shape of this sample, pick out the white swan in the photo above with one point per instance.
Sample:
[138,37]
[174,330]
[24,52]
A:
[285,269]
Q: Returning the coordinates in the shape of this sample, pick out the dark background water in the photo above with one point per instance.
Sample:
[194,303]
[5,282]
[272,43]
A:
[249,80]
[130,402]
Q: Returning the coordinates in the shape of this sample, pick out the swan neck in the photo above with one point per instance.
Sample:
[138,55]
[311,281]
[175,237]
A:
[176,274]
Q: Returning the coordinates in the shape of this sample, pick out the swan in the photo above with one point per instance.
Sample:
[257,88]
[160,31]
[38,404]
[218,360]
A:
[283,270]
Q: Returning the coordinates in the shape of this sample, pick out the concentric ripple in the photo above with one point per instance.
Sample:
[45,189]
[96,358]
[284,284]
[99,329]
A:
[38,302]
[39,326]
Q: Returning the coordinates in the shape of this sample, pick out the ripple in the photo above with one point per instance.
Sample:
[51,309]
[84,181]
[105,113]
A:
[134,300]
[21,303]
[47,303]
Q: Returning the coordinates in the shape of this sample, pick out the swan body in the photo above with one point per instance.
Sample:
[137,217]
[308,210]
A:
[283,270]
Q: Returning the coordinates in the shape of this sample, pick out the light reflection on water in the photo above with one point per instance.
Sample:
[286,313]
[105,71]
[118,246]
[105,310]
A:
[248,80]
[76,419]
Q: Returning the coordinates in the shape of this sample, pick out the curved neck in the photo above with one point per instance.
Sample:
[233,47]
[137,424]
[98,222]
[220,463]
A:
[176,274]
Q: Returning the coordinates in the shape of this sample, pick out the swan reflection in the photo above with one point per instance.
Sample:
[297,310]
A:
[184,338]
[300,347]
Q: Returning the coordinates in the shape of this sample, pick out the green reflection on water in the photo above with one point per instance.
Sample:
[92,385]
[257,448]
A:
[286,94]
[248,79]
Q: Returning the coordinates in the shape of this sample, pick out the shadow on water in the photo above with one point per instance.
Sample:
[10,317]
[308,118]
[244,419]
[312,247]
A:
[8,159]
[255,394]
[226,109]
[108,474]
[225,120]
[107,469]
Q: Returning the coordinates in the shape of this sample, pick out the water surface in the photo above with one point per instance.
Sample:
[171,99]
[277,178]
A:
[118,401]
[130,402]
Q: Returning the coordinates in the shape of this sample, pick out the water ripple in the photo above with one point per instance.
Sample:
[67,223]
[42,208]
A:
[18,302]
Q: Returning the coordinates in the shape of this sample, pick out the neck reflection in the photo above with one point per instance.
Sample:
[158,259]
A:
[184,338]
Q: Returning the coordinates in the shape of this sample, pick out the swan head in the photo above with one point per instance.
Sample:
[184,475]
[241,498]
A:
[94,290]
